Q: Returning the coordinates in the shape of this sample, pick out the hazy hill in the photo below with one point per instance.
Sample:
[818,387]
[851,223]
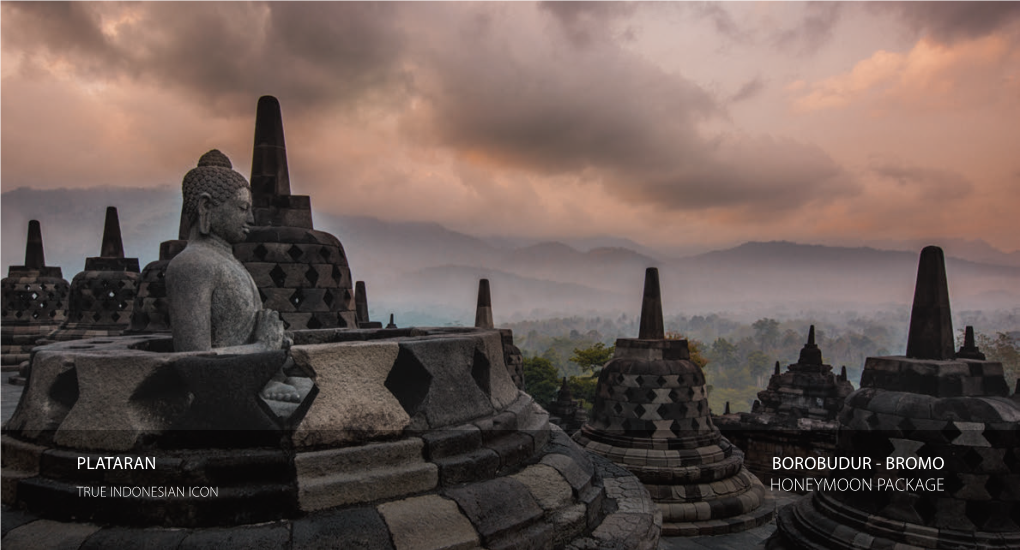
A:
[429,269]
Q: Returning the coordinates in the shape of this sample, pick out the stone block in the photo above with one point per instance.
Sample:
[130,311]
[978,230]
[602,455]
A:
[45,534]
[354,529]
[454,396]
[497,506]
[149,539]
[571,471]
[267,536]
[501,388]
[428,522]
[353,403]
[318,493]
[546,484]
[448,442]
[475,466]
[122,399]
[51,392]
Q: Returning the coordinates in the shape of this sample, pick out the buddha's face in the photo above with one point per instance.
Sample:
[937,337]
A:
[232,219]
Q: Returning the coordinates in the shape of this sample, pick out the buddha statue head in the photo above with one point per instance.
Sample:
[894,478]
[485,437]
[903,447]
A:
[217,200]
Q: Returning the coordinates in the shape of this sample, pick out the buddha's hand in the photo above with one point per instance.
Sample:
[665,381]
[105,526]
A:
[269,329]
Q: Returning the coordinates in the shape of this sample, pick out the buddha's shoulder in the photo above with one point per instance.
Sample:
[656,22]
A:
[196,261]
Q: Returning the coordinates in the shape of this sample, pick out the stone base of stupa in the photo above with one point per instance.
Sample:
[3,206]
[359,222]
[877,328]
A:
[408,438]
[701,491]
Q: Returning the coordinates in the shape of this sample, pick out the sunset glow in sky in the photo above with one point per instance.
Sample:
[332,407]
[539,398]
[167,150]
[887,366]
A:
[674,125]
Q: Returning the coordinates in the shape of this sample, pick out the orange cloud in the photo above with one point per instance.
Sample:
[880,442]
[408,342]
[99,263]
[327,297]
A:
[930,76]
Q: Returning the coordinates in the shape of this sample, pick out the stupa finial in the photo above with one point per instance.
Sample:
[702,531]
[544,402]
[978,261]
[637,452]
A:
[810,354]
[931,323]
[360,302]
[483,309]
[113,246]
[651,327]
[269,175]
[34,256]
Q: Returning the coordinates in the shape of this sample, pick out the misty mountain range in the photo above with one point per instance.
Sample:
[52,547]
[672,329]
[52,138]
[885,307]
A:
[428,274]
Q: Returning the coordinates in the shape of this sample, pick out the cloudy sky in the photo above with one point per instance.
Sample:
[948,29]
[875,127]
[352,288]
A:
[691,124]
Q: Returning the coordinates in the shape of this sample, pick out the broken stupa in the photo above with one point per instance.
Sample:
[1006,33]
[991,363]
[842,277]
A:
[795,416]
[401,438]
[651,416]
[300,272]
[102,296]
[950,428]
[34,302]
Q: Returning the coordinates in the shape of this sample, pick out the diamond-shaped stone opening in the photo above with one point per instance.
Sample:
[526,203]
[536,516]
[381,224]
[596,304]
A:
[639,411]
[480,372]
[650,396]
[906,427]
[950,432]
[294,252]
[97,316]
[337,275]
[674,395]
[314,322]
[639,381]
[690,392]
[327,298]
[312,275]
[408,381]
[324,253]
[288,410]
[260,252]
[995,487]
[972,459]
[296,297]
[618,407]
[661,381]
[278,275]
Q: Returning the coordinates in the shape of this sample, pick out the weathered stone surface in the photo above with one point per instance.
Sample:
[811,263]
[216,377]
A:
[122,399]
[44,534]
[49,396]
[350,475]
[428,523]
[497,383]
[497,506]
[268,536]
[546,484]
[149,539]
[453,395]
[356,529]
[353,403]
[12,519]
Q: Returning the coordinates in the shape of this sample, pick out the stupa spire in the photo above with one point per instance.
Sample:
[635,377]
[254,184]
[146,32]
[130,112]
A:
[810,354]
[113,246]
[931,323]
[651,327]
[483,309]
[269,175]
[360,302]
[34,256]
[969,350]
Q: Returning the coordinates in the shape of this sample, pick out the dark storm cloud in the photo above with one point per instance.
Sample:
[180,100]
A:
[813,30]
[613,117]
[223,54]
[933,184]
[543,90]
[951,21]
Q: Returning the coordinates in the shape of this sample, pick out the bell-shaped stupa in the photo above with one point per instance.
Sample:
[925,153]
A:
[34,301]
[940,433]
[301,273]
[103,295]
[651,416]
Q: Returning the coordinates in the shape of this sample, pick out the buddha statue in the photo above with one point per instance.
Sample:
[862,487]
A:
[214,303]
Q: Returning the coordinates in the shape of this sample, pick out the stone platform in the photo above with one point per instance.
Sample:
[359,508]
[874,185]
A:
[410,438]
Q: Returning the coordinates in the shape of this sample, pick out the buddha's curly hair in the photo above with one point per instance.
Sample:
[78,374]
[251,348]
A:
[214,175]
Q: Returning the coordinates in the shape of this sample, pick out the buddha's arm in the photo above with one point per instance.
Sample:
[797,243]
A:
[190,290]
